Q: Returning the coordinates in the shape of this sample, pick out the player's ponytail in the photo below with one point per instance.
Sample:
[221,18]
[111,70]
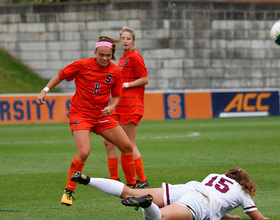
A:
[243,178]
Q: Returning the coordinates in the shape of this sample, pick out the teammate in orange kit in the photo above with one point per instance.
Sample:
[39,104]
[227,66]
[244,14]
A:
[130,109]
[95,79]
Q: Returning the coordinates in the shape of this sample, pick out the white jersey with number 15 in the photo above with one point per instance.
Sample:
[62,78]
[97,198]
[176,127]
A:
[225,195]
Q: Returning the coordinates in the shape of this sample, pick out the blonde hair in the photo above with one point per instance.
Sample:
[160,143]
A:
[243,178]
[131,31]
[110,40]
[128,29]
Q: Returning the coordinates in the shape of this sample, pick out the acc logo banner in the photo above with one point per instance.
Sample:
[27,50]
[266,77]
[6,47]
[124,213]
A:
[245,104]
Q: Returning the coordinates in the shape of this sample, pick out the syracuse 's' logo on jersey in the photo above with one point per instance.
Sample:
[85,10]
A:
[126,62]
[108,78]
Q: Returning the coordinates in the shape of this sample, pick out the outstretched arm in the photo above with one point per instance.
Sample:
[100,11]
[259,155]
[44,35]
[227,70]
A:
[51,84]
[256,215]
[138,82]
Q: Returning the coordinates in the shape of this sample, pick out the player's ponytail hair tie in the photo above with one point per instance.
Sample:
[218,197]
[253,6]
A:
[104,44]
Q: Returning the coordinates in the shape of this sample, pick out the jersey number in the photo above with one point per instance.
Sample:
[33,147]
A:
[98,85]
[96,88]
[221,185]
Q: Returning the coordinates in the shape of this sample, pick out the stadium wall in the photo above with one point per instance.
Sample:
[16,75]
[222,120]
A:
[187,45]
[158,106]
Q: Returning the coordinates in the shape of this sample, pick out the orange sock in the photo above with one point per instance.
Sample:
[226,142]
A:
[75,165]
[140,169]
[128,167]
[113,165]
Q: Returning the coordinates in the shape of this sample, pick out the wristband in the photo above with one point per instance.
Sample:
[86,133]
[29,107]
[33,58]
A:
[126,85]
[46,89]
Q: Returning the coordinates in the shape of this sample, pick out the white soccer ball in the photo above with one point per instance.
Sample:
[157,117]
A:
[275,32]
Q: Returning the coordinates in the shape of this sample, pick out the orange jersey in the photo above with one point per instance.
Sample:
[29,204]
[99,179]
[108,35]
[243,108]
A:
[132,99]
[93,86]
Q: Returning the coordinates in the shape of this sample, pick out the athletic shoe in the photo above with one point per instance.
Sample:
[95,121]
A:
[135,186]
[67,198]
[142,184]
[143,201]
[80,177]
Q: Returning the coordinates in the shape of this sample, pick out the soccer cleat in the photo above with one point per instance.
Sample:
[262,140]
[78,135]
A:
[80,177]
[67,198]
[142,184]
[135,186]
[143,201]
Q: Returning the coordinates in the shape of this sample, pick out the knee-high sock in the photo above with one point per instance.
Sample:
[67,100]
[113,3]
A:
[75,165]
[113,165]
[111,187]
[140,169]
[152,212]
[128,167]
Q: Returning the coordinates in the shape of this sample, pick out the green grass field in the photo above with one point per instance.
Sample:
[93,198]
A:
[35,159]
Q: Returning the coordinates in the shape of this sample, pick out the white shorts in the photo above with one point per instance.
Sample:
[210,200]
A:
[187,196]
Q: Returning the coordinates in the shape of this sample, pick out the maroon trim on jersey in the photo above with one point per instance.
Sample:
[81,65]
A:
[191,209]
[167,194]
[251,207]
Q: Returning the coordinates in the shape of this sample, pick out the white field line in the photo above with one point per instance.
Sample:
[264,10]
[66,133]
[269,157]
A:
[71,141]
[172,136]
[38,142]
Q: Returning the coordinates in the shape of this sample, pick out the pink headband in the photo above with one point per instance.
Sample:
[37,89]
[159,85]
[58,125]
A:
[104,44]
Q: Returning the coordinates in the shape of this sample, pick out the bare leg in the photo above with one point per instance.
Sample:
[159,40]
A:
[157,194]
[175,211]
[82,140]
[111,149]
[118,137]
[155,211]
[131,130]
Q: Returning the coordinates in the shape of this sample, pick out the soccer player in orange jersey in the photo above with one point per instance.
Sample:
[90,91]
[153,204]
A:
[95,79]
[130,109]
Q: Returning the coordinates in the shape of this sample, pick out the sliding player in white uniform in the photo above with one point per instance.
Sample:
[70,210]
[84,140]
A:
[212,199]
[225,194]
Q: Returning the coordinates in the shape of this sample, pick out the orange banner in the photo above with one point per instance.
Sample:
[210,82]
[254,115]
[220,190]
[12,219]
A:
[198,105]
[158,106]
[153,106]
[24,109]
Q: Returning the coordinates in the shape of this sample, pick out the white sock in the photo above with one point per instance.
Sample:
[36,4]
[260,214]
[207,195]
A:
[152,212]
[108,186]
